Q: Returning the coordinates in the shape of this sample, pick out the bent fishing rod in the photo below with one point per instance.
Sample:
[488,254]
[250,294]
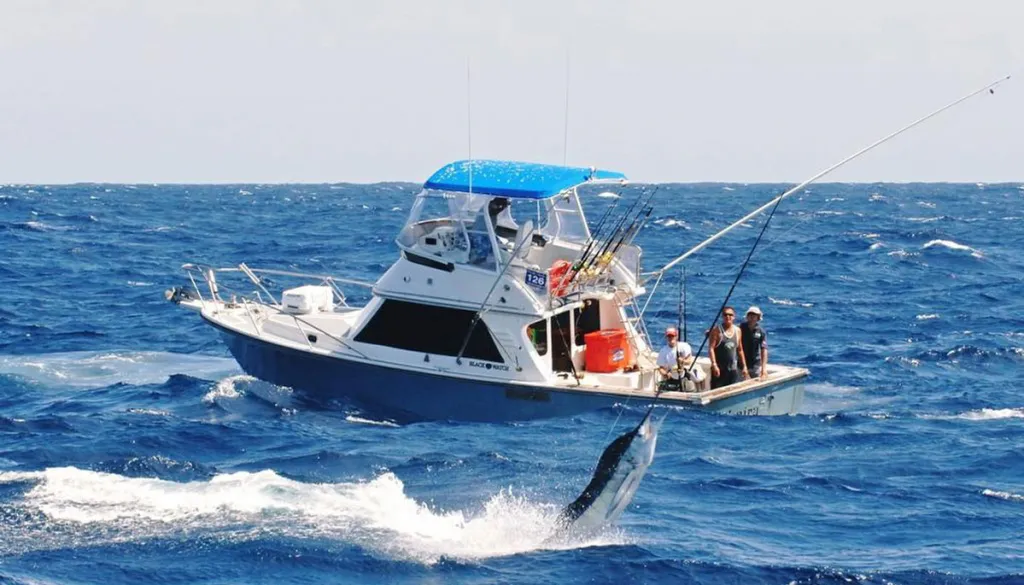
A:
[774,204]
[660,272]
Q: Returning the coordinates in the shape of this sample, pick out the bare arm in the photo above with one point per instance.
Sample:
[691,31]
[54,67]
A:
[739,351]
[712,343]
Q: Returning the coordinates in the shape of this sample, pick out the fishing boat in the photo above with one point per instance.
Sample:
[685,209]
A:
[504,304]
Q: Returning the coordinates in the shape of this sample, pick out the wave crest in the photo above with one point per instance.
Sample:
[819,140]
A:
[376,514]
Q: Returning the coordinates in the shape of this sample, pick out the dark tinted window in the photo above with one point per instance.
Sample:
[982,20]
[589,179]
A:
[429,329]
[587,319]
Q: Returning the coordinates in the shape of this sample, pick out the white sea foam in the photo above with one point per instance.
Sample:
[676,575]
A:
[365,421]
[951,245]
[789,303]
[1009,496]
[927,316]
[40,226]
[923,219]
[227,388]
[983,414]
[88,507]
[902,254]
[234,387]
[609,195]
[876,246]
[728,189]
[670,222]
[992,414]
[148,411]
[927,204]
[94,369]
[870,236]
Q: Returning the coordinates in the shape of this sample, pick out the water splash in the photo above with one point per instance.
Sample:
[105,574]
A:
[96,507]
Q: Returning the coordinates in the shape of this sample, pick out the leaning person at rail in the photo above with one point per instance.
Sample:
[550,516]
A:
[755,343]
[725,348]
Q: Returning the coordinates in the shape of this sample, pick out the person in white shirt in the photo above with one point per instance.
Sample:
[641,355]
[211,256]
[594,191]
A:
[674,358]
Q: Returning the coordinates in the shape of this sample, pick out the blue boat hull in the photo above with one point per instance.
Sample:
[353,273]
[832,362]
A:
[414,396]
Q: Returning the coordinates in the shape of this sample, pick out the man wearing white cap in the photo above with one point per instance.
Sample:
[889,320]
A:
[673,358]
[755,343]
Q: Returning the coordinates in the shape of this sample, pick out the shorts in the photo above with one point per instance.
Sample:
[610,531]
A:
[728,377]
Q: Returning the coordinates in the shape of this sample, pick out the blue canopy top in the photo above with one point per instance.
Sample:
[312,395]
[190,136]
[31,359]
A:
[505,178]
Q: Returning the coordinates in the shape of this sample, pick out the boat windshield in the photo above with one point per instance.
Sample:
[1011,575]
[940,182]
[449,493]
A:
[562,217]
[455,227]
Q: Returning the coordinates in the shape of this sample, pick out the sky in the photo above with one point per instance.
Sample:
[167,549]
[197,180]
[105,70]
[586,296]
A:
[250,91]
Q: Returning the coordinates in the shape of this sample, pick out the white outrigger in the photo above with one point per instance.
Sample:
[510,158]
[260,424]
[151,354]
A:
[486,315]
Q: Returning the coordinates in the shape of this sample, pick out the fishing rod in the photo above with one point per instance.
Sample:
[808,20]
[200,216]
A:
[622,234]
[585,261]
[633,230]
[821,174]
[682,303]
[735,282]
[603,261]
[774,204]
[595,235]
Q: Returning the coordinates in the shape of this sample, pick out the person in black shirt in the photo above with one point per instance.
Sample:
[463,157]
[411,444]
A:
[755,344]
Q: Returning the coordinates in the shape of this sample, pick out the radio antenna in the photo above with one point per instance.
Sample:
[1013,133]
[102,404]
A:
[565,129]
[469,125]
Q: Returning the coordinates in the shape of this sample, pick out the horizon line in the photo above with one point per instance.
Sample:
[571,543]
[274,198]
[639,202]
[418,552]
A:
[420,183]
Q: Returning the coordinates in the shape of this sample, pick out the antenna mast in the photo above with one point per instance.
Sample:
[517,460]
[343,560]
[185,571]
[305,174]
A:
[565,129]
[469,125]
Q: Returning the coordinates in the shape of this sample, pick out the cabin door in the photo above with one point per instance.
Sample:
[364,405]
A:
[561,342]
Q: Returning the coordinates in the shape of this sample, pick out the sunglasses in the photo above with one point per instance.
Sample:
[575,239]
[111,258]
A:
[729,314]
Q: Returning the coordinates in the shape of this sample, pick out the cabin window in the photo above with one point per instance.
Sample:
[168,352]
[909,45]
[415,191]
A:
[429,329]
[588,319]
[537,332]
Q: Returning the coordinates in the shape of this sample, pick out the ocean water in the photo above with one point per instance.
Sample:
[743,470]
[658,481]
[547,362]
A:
[132,449]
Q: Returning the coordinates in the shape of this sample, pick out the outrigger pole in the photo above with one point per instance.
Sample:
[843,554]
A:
[821,174]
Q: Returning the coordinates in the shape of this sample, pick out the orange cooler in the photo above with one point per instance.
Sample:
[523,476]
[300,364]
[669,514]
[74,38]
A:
[607,350]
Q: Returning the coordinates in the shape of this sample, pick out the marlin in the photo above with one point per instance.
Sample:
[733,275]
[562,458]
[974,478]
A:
[616,479]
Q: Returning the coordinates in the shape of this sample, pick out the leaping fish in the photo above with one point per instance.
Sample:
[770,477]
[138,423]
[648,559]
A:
[616,479]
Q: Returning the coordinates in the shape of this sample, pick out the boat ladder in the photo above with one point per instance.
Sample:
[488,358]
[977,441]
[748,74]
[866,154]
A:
[635,325]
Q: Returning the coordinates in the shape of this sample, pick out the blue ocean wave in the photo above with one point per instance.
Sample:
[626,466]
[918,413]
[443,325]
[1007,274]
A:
[131,440]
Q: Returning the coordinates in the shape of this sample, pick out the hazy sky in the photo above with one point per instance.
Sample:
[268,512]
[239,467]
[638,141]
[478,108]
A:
[746,90]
